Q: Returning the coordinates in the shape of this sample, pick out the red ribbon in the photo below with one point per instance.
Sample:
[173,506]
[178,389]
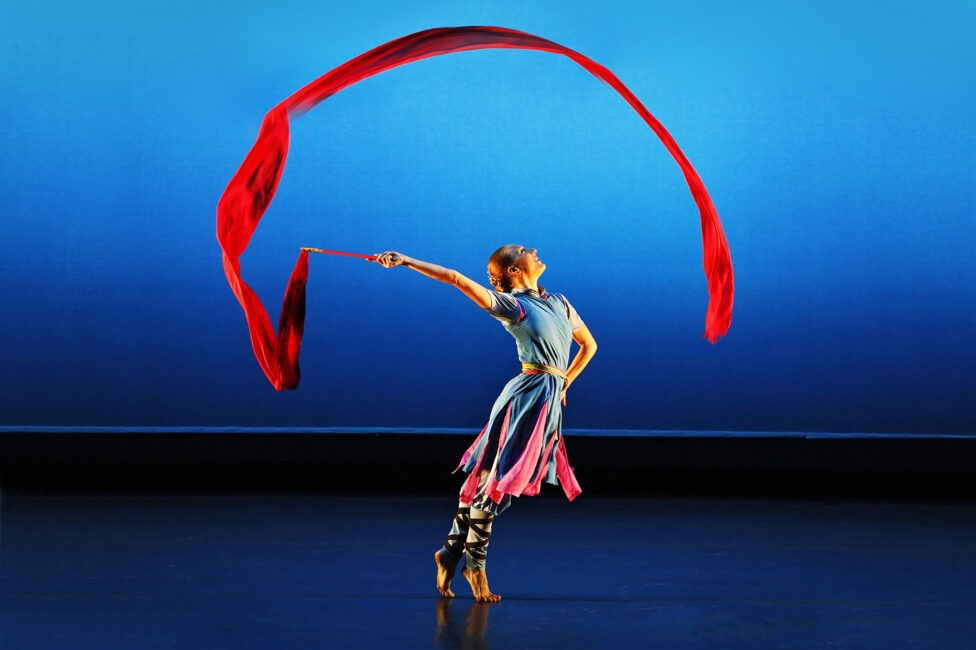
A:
[253,186]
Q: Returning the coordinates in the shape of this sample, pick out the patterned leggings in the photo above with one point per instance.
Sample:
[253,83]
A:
[471,528]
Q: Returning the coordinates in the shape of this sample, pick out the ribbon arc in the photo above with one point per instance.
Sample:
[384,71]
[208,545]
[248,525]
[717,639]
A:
[253,186]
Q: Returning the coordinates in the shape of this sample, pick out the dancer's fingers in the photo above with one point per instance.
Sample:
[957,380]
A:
[389,259]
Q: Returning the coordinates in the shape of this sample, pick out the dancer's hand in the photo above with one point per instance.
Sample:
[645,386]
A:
[389,259]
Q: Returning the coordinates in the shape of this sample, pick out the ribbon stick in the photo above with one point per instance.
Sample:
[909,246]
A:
[319,250]
[250,191]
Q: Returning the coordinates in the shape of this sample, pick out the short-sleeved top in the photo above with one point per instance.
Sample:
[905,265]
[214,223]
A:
[542,324]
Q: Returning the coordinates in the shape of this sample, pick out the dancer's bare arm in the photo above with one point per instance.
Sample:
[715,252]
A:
[587,349]
[479,294]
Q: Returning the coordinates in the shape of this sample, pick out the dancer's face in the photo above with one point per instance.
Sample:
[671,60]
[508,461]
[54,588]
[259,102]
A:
[527,259]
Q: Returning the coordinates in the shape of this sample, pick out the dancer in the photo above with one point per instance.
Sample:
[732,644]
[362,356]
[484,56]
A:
[521,445]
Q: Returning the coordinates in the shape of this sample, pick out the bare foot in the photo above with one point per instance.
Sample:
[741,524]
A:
[479,586]
[445,571]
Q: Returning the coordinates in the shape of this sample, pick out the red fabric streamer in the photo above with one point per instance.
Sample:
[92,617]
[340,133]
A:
[253,186]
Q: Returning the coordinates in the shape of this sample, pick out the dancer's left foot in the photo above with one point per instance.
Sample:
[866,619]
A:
[446,564]
[479,586]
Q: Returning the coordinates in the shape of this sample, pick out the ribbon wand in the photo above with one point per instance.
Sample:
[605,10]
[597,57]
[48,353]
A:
[319,250]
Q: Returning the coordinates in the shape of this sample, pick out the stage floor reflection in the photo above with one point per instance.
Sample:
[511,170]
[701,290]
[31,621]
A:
[345,571]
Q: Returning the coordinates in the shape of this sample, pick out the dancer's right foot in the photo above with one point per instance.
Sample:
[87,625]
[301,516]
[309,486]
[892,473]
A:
[479,586]
[446,564]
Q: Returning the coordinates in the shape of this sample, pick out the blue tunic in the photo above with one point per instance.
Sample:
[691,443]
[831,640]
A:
[521,443]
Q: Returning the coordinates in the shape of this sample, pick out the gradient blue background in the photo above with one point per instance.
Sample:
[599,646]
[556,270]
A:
[836,140]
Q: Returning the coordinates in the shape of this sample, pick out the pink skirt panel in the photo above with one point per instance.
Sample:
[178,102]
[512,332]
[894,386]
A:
[470,487]
[565,473]
[519,476]
[470,450]
[491,489]
[533,488]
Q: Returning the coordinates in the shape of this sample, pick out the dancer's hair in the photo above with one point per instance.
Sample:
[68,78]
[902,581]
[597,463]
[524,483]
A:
[498,265]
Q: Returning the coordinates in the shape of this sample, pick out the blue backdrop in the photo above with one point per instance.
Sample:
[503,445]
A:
[836,140]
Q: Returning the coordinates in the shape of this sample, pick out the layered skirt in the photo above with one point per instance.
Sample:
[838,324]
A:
[521,445]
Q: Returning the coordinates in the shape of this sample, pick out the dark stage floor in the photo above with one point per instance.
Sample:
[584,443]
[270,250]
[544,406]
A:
[312,571]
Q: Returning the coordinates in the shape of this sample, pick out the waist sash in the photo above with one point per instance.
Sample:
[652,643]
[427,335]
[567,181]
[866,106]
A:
[538,369]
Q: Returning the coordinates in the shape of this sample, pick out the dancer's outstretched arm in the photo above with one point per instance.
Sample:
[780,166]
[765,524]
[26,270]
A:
[479,294]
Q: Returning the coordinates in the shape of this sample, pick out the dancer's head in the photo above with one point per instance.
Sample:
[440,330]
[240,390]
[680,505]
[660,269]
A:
[514,266]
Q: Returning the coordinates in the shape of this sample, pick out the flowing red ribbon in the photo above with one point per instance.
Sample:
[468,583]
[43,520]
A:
[253,186]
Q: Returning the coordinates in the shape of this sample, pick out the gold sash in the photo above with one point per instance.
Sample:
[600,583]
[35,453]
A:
[535,369]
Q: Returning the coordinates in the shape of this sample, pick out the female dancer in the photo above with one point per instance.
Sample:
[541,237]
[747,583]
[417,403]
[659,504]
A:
[521,445]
